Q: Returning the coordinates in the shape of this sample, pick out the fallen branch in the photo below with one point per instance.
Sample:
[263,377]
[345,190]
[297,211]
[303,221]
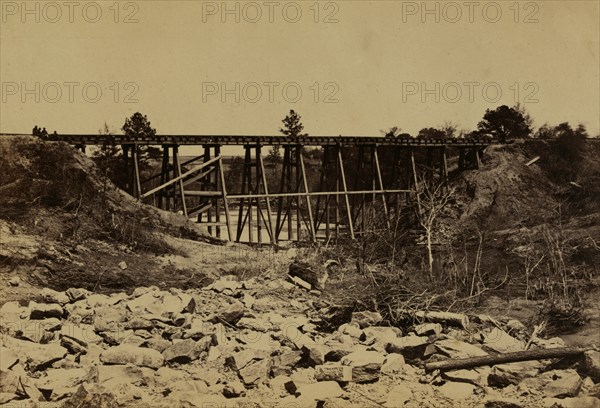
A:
[527,355]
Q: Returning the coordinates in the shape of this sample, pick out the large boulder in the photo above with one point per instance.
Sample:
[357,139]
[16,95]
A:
[128,354]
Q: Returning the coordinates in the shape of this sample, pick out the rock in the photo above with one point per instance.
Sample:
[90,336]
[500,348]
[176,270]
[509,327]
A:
[127,373]
[91,396]
[320,391]
[234,389]
[556,383]
[14,281]
[45,310]
[399,396]
[73,346]
[76,294]
[591,364]
[9,382]
[366,365]
[254,372]
[394,363]
[366,318]
[282,385]
[503,375]
[303,271]
[39,331]
[9,358]
[123,265]
[254,324]
[500,341]
[457,391]
[333,372]
[379,336]
[476,376]
[229,315]
[428,329]
[157,343]
[516,325]
[458,349]
[406,345]
[351,329]
[241,359]
[316,352]
[83,333]
[138,323]
[285,362]
[185,351]
[579,402]
[60,383]
[35,356]
[500,402]
[139,356]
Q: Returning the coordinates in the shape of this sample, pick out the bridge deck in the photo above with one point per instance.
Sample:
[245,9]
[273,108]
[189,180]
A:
[241,140]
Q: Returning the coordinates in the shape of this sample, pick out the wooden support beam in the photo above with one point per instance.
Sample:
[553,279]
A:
[415,180]
[180,177]
[270,230]
[137,186]
[313,234]
[225,202]
[346,197]
[380,181]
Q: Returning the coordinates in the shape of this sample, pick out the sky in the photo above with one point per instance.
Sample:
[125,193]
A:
[348,67]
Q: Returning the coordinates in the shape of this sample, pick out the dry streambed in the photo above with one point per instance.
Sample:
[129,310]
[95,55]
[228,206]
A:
[258,343]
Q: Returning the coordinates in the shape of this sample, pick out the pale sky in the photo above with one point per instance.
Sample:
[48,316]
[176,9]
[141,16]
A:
[184,63]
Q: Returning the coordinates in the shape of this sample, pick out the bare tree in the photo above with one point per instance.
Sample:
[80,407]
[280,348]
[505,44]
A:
[434,198]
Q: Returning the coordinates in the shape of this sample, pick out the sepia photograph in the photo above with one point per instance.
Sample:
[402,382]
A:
[300,204]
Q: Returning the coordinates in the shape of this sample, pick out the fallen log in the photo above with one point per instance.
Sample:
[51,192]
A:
[513,357]
[454,319]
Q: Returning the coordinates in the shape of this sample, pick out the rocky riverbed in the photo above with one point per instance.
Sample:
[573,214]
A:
[265,343]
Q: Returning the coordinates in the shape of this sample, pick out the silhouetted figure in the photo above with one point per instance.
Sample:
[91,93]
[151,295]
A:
[44,134]
[36,131]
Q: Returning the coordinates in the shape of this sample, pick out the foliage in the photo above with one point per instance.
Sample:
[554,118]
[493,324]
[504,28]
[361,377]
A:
[505,123]
[110,161]
[274,155]
[292,125]
[395,133]
[138,126]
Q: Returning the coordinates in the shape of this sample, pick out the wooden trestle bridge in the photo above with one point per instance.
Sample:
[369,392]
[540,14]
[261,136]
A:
[358,177]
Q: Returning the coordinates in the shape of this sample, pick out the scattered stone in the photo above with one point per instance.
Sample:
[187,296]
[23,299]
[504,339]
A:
[14,281]
[579,402]
[477,376]
[91,396]
[556,383]
[45,310]
[399,396]
[320,391]
[500,402]
[394,363]
[234,389]
[333,372]
[503,375]
[458,349]
[406,345]
[229,315]
[76,294]
[52,296]
[255,372]
[284,363]
[428,329]
[123,265]
[516,325]
[366,318]
[591,364]
[366,365]
[139,356]
[457,391]
[185,351]
[500,341]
